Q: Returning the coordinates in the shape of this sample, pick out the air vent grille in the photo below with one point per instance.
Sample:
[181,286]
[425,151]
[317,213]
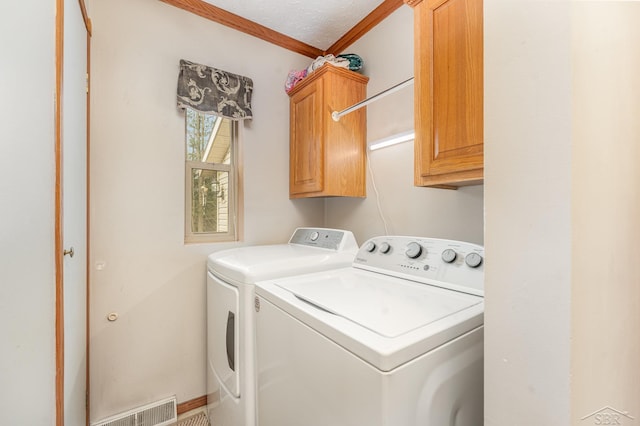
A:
[160,413]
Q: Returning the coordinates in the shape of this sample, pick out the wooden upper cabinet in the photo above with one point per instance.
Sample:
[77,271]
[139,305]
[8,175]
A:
[327,158]
[448,92]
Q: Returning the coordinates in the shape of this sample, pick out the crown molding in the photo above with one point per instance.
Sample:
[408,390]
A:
[239,23]
[221,16]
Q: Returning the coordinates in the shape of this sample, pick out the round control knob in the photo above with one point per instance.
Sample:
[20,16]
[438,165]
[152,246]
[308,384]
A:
[449,255]
[385,248]
[370,247]
[473,260]
[414,250]
[314,235]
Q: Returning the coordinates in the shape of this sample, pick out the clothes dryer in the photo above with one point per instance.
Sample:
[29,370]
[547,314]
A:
[231,275]
[396,339]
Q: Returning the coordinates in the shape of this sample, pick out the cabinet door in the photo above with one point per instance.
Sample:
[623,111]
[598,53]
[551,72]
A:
[306,146]
[449,89]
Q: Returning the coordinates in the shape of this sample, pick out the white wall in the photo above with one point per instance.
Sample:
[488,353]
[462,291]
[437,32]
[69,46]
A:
[149,277]
[562,208]
[27,284]
[387,51]
[527,204]
[605,200]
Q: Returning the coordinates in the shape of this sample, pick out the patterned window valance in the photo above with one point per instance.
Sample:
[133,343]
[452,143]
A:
[213,91]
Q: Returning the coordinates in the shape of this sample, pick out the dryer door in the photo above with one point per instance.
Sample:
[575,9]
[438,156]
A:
[223,342]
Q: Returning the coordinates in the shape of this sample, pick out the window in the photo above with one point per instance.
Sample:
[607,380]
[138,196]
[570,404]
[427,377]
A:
[211,181]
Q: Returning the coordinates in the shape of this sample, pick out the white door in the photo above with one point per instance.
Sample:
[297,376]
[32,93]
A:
[223,326]
[74,212]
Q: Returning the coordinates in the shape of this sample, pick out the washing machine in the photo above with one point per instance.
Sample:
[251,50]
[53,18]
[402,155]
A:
[231,275]
[395,339]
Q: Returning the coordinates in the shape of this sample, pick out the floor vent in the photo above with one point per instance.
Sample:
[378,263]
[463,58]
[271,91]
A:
[159,413]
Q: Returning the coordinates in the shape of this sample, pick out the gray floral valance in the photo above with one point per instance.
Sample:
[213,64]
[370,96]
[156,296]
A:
[213,91]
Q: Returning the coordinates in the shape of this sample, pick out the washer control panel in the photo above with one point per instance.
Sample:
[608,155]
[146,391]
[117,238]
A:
[331,239]
[456,265]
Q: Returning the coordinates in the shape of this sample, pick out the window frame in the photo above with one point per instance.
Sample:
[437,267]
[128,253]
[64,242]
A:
[232,170]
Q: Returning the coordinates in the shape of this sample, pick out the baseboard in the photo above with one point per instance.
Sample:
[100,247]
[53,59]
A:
[192,404]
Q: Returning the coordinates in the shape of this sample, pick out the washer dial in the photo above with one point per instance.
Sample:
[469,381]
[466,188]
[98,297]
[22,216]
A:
[449,255]
[414,250]
[473,260]
[314,235]
[371,247]
[385,248]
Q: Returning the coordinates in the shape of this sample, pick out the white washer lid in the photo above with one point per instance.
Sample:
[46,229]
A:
[246,265]
[360,309]
[387,306]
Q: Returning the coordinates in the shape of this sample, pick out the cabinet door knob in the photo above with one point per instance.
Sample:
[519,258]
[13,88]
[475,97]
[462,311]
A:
[68,252]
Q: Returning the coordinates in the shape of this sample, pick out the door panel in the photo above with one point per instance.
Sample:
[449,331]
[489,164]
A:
[448,47]
[306,149]
[74,212]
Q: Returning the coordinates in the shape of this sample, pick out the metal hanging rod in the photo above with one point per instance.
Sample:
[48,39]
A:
[336,115]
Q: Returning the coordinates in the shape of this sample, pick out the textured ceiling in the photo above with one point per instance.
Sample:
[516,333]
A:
[319,23]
